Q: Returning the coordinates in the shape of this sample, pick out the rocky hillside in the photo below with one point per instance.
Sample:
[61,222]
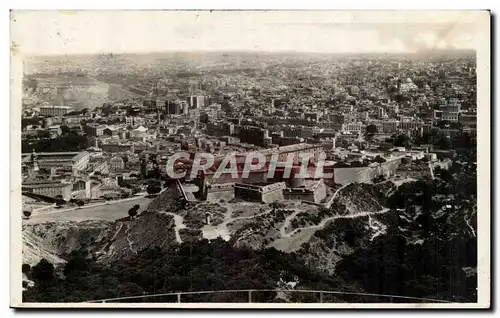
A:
[369,232]
[170,220]
[108,241]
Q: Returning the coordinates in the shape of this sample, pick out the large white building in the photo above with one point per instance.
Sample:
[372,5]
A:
[65,161]
[196,101]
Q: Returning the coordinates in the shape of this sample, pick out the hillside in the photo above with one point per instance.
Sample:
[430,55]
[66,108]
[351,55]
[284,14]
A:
[372,233]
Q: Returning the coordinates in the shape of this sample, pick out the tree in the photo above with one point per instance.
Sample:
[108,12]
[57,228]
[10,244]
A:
[443,142]
[379,159]
[43,271]
[26,268]
[76,263]
[27,214]
[402,141]
[60,202]
[370,130]
[153,189]
[132,212]
[64,130]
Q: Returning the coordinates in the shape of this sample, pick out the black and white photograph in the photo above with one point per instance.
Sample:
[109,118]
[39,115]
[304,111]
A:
[250,159]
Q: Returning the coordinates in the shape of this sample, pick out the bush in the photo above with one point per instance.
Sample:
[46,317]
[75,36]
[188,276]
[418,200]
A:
[153,189]
[132,212]
[43,271]
[26,268]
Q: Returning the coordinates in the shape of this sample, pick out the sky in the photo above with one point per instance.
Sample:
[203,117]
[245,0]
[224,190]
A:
[91,32]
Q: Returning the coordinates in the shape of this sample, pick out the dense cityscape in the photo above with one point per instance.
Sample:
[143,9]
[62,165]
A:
[103,218]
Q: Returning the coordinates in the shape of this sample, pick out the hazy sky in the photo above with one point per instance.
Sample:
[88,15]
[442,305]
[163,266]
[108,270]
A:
[82,32]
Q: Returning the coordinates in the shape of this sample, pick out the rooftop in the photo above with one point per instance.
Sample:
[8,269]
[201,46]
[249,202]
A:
[46,185]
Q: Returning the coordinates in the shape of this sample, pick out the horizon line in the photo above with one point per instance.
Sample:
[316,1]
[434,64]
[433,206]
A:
[471,50]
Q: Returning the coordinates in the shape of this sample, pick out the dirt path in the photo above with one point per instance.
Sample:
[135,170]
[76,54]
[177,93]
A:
[377,226]
[179,225]
[288,219]
[129,240]
[293,215]
[325,221]
[226,222]
[330,201]
[212,232]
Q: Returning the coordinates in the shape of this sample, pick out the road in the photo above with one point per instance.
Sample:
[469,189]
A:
[330,201]
[325,221]
[293,215]
[98,211]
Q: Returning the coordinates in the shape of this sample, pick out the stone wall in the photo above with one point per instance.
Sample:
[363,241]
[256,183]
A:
[219,192]
[365,174]
[272,196]
[225,195]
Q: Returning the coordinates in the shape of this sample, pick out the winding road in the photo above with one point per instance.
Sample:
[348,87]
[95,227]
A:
[325,221]
[293,215]
[329,203]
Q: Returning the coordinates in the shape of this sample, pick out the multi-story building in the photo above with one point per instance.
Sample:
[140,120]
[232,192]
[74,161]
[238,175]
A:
[54,111]
[227,129]
[380,112]
[135,121]
[74,120]
[95,130]
[448,110]
[352,127]
[65,161]
[314,116]
[49,188]
[196,101]
[390,126]
[253,135]
[177,108]
[410,125]
[468,120]
[160,102]
[116,163]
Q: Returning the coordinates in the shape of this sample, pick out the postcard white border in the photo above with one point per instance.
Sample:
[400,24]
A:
[480,18]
